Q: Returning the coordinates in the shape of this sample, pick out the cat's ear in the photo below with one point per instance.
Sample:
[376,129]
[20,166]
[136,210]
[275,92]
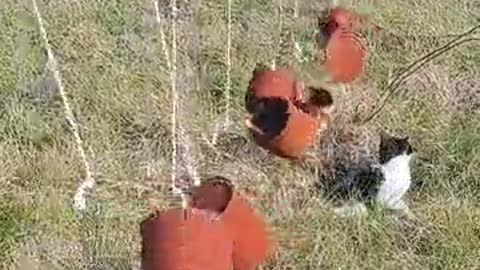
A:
[410,149]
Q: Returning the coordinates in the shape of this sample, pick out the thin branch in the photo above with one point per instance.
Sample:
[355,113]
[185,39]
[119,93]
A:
[416,65]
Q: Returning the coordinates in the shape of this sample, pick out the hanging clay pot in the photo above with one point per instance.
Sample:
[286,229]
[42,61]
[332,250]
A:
[299,134]
[267,83]
[340,17]
[252,240]
[202,236]
[345,55]
[286,128]
[178,239]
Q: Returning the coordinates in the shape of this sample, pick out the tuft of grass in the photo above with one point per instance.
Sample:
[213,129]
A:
[15,222]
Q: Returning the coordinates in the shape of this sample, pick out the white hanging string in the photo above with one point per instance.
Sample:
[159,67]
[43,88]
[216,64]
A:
[173,77]
[89,182]
[229,64]
[162,35]
[188,156]
[172,67]
[298,50]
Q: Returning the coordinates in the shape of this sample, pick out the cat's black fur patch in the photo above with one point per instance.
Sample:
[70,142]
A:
[358,182]
[361,181]
[270,115]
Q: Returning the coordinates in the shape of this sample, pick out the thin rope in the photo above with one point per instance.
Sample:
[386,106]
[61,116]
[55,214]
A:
[89,182]
[176,188]
[188,157]
[298,50]
[172,67]
[162,36]
[173,76]
[229,64]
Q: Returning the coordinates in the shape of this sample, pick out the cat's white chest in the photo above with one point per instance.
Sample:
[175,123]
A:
[397,181]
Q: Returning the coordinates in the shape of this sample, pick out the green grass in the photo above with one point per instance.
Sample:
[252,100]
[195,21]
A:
[115,75]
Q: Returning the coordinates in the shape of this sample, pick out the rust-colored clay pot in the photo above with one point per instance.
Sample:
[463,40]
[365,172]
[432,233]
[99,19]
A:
[207,236]
[251,237]
[252,240]
[298,134]
[280,83]
[340,17]
[345,53]
[285,125]
[275,83]
[174,240]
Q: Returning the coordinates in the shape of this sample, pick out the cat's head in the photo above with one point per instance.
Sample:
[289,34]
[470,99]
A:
[392,146]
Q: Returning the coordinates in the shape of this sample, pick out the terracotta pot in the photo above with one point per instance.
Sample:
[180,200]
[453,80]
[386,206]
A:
[172,240]
[252,239]
[205,237]
[346,54]
[340,17]
[287,127]
[299,134]
[265,83]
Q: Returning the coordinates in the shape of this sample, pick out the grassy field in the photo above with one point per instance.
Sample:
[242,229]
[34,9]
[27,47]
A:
[116,77]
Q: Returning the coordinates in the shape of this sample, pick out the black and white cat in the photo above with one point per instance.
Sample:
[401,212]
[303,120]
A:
[384,182]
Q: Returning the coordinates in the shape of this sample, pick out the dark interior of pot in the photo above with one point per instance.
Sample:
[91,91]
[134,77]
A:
[214,194]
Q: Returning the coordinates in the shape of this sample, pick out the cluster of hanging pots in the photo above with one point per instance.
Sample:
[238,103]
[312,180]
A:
[219,230]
